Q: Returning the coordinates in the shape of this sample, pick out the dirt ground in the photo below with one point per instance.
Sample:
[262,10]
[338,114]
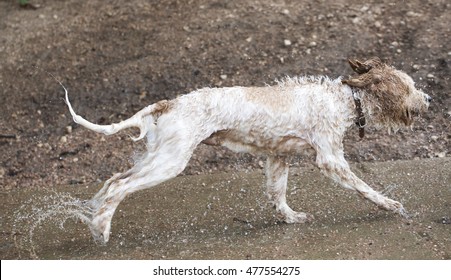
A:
[116,57]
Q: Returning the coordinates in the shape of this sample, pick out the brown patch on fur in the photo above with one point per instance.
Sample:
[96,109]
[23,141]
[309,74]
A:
[387,92]
[161,107]
[101,211]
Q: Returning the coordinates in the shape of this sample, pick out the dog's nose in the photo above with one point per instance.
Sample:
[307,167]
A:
[428,98]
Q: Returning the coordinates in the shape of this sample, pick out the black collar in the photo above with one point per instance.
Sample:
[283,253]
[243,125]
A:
[361,121]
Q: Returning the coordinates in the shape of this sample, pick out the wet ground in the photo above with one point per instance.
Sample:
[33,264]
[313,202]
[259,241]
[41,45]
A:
[225,216]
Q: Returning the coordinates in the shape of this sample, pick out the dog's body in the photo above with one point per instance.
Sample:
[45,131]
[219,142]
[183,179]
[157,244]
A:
[296,114]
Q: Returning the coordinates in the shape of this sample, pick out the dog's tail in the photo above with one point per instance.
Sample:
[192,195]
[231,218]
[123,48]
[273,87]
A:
[144,119]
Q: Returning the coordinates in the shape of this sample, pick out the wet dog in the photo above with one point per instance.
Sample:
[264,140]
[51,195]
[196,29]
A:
[294,115]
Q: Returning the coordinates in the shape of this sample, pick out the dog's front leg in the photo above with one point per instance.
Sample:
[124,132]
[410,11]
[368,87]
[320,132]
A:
[276,187]
[333,164]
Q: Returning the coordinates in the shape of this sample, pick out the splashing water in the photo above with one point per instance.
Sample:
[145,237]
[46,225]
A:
[53,209]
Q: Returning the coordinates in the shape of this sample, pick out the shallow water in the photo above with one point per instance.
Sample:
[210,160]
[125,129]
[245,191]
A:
[225,216]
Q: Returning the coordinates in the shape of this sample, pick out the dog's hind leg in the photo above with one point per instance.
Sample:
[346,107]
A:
[276,187]
[107,184]
[162,162]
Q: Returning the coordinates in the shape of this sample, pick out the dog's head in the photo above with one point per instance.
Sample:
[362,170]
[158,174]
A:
[390,97]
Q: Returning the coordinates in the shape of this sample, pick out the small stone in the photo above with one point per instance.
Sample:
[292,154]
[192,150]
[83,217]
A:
[364,8]
[68,129]
[398,50]
[413,14]
[63,139]
[287,42]
[377,10]
[249,39]
[430,76]
[285,12]
[143,94]
[377,24]
[75,160]
[2,172]
[434,137]
[223,77]
[261,164]
[416,66]
[312,44]
[441,154]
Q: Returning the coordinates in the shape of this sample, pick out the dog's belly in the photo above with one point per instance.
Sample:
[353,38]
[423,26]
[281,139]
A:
[257,143]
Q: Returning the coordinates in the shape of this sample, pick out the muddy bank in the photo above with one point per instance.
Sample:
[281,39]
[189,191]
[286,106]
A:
[115,57]
[225,216]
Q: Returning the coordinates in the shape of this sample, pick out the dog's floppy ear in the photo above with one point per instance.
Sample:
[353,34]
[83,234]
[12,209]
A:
[364,67]
[365,77]
[363,80]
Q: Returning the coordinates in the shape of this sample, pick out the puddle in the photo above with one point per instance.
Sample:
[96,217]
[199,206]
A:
[225,216]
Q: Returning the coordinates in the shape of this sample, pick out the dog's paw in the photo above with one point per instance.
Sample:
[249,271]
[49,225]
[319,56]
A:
[390,205]
[395,206]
